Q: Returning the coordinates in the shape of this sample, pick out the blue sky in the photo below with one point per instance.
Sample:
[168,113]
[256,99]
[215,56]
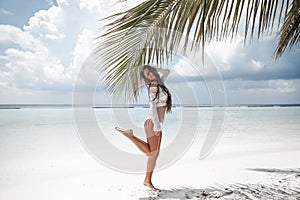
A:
[44,43]
[18,12]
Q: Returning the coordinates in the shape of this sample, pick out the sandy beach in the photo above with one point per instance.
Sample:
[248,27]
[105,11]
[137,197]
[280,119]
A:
[81,177]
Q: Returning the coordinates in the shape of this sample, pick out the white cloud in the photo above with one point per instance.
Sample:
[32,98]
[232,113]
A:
[63,2]
[35,70]
[92,5]
[45,24]
[223,52]
[276,86]
[193,68]
[6,12]
[83,48]
[47,54]
[184,68]
[254,61]
[50,2]
[11,34]
[257,92]
[257,65]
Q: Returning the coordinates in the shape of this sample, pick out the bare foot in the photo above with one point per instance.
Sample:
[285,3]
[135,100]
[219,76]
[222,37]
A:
[127,132]
[149,184]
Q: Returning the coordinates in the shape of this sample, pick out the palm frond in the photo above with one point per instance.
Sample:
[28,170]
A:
[154,29]
[290,30]
[130,42]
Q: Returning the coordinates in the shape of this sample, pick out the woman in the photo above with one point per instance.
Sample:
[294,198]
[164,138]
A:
[160,102]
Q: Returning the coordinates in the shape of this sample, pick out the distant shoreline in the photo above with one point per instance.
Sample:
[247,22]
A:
[19,106]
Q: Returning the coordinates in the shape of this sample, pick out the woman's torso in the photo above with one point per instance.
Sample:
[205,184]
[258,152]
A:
[160,101]
[162,97]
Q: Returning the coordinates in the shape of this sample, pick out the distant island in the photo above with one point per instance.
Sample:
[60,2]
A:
[19,106]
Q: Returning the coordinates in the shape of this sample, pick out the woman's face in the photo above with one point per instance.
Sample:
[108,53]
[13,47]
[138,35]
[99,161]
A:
[149,75]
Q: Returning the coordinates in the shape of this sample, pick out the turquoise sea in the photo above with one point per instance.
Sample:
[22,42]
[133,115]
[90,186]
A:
[51,129]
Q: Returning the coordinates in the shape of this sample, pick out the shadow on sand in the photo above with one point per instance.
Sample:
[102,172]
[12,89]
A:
[286,186]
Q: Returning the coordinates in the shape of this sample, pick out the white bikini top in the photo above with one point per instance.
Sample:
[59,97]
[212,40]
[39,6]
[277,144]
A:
[159,101]
[162,96]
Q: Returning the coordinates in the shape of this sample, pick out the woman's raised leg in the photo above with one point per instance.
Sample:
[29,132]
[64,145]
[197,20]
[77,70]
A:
[142,145]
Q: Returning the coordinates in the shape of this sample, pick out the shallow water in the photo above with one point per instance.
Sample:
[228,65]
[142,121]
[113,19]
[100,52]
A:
[34,130]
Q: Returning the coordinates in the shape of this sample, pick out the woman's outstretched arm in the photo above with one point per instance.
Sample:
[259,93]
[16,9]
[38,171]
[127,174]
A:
[165,73]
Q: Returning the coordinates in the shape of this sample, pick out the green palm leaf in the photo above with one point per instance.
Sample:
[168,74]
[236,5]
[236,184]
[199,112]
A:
[290,30]
[152,30]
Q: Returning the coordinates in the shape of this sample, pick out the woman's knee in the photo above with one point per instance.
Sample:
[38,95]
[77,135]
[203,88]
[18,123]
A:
[158,133]
[148,122]
[153,154]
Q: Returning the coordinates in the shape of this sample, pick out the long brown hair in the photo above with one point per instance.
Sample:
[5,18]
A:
[160,84]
